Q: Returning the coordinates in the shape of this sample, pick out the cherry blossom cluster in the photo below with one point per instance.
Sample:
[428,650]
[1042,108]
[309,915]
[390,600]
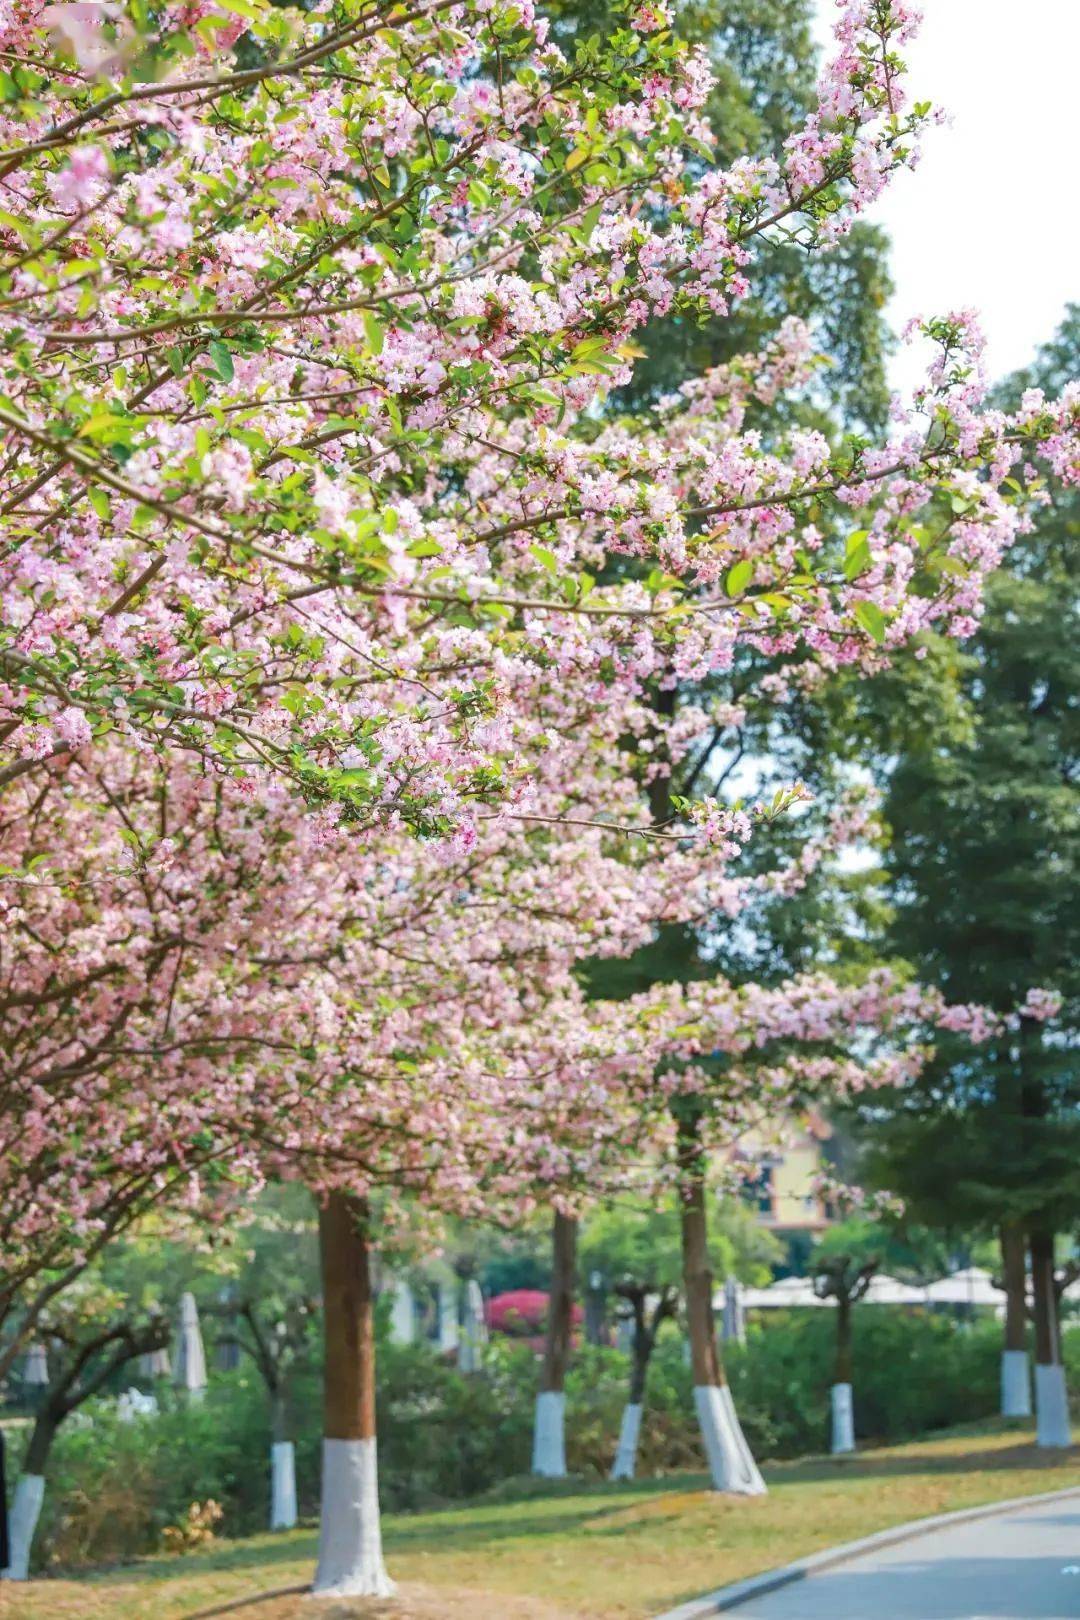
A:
[334,587]
[306,324]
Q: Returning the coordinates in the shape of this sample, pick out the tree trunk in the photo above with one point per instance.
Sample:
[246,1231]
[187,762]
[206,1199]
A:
[1015,1372]
[730,1463]
[350,1538]
[595,1314]
[449,1326]
[625,1464]
[840,1396]
[549,1440]
[843,1341]
[1051,1400]
[29,1495]
[282,1466]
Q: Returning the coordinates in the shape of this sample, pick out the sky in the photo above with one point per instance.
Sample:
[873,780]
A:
[990,219]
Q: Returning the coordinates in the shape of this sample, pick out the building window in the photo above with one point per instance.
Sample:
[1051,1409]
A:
[761,1193]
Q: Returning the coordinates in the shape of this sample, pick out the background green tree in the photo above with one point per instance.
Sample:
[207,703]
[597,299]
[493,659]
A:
[977,749]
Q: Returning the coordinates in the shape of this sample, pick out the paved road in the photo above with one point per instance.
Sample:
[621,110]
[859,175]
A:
[1019,1565]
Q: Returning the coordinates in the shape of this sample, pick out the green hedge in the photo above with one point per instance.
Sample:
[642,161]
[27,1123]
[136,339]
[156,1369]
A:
[113,1486]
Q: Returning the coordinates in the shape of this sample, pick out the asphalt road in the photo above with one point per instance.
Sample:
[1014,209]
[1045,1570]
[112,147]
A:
[1022,1564]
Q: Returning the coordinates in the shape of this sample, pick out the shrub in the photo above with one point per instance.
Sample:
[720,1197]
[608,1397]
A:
[115,1487]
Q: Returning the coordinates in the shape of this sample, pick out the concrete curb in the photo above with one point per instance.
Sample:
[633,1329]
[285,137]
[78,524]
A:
[730,1597]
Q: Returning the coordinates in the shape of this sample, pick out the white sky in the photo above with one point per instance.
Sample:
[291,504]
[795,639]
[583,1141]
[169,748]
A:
[990,219]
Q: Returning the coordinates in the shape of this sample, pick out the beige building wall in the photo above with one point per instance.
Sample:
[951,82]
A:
[784,1195]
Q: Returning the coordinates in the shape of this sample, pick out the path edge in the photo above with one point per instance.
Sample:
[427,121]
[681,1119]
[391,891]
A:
[730,1597]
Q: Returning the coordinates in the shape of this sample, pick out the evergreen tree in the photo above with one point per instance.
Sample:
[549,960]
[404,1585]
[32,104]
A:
[980,758]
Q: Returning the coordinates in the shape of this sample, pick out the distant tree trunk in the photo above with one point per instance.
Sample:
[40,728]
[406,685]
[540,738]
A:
[645,1334]
[843,1341]
[730,1463]
[843,1416]
[1051,1400]
[1015,1372]
[595,1313]
[30,1493]
[92,1364]
[282,1464]
[350,1538]
[549,1439]
[625,1464]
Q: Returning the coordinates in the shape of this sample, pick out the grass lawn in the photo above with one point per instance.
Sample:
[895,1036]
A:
[596,1552]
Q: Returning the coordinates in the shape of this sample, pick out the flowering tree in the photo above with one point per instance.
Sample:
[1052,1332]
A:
[306,323]
[309,323]
[157,938]
[93,1333]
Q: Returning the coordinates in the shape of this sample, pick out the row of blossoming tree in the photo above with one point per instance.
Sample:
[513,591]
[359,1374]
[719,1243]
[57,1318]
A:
[334,587]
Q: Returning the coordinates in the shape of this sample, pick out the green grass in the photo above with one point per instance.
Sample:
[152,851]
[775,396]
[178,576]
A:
[596,1552]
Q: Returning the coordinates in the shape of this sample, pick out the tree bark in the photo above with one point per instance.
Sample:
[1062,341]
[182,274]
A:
[1015,1372]
[29,1495]
[641,1355]
[549,1437]
[645,1337]
[560,1304]
[1014,1278]
[44,1433]
[1042,1282]
[350,1538]
[843,1341]
[730,1462]
[705,1362]
[282,1463]
[1051,1400]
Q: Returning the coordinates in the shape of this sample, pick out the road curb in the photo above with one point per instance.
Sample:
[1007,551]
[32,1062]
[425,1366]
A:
[730,1597]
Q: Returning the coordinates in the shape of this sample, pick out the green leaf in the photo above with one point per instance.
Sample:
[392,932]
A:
[872,619]
[858,559]
[374,332]
[241,8]
[547,559]
[739,576]
[220,359]
[591,219]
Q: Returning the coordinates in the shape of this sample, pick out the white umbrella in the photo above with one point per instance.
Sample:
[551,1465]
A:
[793,1291]
[190,1355]
[971,1286]
[788,1293]
[886,1290]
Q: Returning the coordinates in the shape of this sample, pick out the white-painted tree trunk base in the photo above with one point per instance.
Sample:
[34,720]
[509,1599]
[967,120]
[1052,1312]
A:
[350,1536]
[843,1420]
[190,1353]
[733,1320]
[549,1442]
[22,1522]
[474,1333]
[403,1314]
[449,1331]
[282,1485]
[1051,1407]
[731,1465]
[1015,1384]
[625,1463]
